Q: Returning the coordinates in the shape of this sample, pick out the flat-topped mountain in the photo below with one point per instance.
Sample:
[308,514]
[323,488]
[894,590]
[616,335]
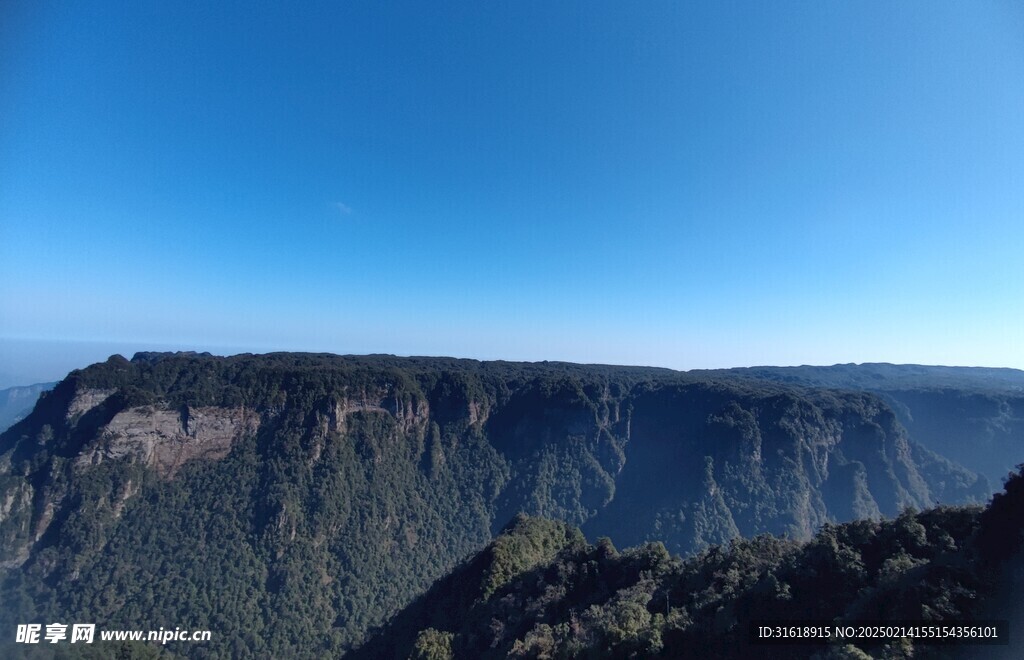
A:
[882,375]
[292,501]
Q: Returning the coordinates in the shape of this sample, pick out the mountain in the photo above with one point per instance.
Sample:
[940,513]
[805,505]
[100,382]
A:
[971,415]
[560,597]
[17,402]
[885,376]
[291,502]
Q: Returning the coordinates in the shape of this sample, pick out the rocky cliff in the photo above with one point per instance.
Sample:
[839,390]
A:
[971,415]
[293,501]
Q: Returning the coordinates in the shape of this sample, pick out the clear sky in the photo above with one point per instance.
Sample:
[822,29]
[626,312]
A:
[682,184]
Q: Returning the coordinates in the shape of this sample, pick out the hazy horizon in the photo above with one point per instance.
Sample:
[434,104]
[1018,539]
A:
[27,361]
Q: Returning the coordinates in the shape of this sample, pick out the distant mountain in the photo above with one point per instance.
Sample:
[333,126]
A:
[539,590]
[17,402]
[293,501]
[971,415]
[881,375]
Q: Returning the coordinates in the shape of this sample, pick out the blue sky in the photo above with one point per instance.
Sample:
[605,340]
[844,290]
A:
[675,184]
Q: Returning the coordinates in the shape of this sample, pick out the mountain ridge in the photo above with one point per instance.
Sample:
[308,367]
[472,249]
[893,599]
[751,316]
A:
[972,415]
[323,492]
[16,402]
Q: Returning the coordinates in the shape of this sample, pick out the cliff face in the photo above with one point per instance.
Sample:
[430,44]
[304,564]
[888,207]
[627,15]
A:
[297,500]
[708,464]
[164,440]
[981,430]
[974,416]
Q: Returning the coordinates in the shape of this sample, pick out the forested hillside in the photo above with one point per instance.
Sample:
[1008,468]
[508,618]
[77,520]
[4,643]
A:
[17,402]
[290,502]
[560,597]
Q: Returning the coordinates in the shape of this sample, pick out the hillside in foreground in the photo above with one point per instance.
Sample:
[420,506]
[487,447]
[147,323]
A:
[539,590]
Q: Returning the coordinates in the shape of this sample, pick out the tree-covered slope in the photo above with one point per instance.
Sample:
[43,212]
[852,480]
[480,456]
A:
[17,402]
[947,564]
[972,415]
[289,502]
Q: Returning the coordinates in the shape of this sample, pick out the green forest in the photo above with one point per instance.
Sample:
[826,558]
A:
[347,486]
[560,597]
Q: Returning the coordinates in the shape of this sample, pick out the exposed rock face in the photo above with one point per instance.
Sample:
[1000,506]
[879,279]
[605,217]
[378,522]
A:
[85,400]
[166,439]
[342,486]
[971,415]
[704,465]
[410,413]
[83,428]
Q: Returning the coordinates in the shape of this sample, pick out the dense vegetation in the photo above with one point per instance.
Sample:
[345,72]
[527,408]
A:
[943,564]
[368,478]
[972,415]
[17,402]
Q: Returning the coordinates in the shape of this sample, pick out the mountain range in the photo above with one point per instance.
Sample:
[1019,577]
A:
[294,503]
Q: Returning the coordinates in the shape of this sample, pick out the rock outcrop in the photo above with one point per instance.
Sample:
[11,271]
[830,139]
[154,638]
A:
[166,439]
